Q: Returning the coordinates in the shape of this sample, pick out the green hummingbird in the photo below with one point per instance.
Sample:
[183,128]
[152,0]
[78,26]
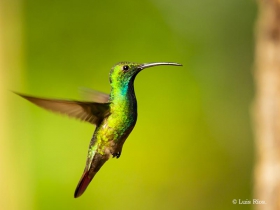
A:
[114,115]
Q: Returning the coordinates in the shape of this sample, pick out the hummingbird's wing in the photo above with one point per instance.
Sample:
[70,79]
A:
[94,95]
[91,112]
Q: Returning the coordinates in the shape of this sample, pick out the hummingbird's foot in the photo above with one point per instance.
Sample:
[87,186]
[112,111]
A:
[117,155]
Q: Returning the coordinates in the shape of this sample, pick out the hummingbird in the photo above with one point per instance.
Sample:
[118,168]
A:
[113,115]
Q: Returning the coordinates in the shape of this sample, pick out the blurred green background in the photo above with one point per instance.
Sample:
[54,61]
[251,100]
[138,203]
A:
[192,147]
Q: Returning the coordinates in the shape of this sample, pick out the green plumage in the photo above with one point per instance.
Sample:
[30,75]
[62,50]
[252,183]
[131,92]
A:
[114,115]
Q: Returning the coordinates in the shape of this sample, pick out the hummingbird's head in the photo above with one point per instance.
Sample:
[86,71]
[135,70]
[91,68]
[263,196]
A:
[124,72]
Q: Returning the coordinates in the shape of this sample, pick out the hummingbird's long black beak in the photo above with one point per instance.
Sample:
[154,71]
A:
[147,65]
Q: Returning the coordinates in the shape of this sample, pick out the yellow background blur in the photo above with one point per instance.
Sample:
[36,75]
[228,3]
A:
[192,147]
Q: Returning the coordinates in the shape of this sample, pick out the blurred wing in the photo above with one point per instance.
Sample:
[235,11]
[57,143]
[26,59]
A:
[91,112]
[94,95]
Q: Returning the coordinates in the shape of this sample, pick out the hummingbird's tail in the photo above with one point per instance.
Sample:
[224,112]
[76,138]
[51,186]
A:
[83,183]
[97,162]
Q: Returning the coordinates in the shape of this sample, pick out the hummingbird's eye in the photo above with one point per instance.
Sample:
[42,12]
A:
[125,67]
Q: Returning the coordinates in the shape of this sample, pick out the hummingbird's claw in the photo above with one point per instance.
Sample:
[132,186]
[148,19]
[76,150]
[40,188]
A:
[117,155]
